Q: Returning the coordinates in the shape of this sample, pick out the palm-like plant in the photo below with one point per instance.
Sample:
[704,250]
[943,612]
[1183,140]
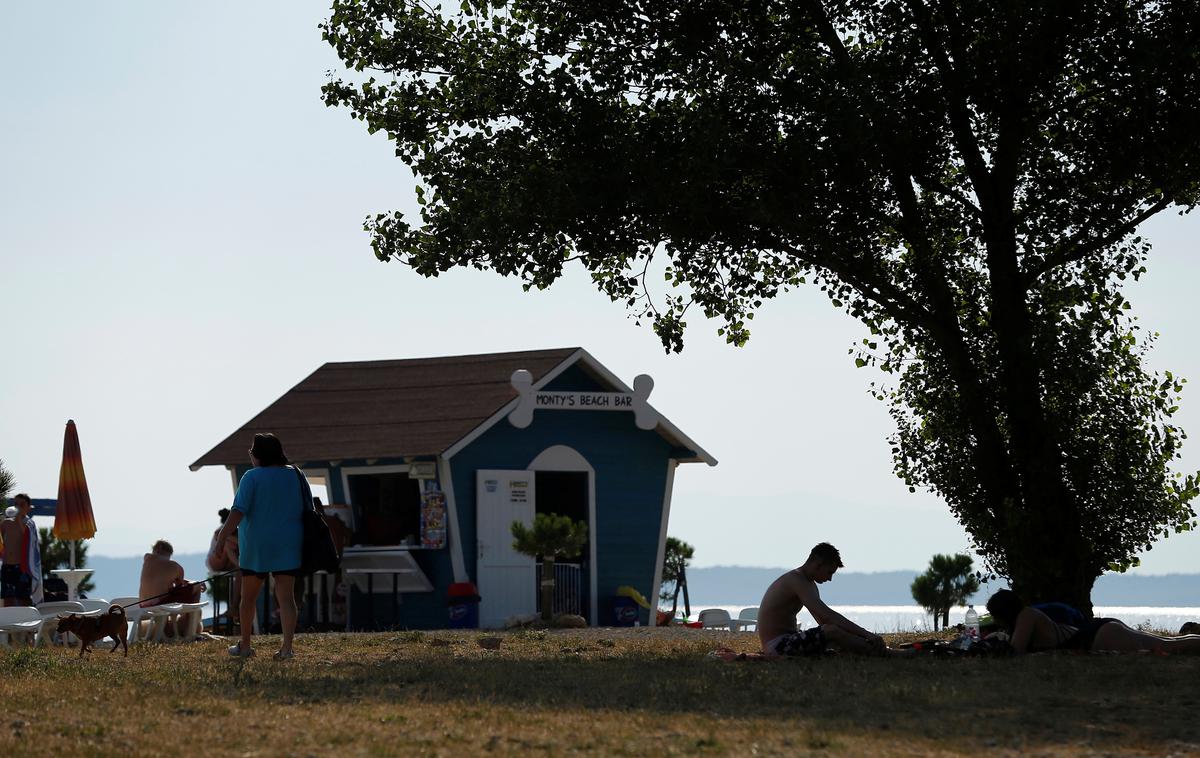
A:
[7,483]
[551,537]
[948,582]
[676,557]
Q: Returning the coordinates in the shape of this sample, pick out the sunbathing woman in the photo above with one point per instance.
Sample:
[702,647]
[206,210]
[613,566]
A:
[1032,631]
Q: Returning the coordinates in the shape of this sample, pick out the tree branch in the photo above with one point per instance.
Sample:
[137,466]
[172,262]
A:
[1078,249]
[957,108]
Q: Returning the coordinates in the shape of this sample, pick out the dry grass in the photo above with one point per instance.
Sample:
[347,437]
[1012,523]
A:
[612,692]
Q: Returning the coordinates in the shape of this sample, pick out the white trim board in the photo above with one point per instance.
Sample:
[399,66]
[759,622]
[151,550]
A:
[508,407]
[399,468]
[457,560]
[656,587]
[665,427]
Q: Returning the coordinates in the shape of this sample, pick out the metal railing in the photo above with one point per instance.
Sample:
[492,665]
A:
[314,599]
[568,587]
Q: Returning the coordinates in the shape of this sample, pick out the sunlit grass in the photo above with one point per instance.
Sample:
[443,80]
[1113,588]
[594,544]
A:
[635,692]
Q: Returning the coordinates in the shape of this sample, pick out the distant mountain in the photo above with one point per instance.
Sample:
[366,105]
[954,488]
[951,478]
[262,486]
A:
[741,585]
[736,585]
[119,577]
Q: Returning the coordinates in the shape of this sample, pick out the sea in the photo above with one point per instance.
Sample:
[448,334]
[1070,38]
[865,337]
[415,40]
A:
[890,619]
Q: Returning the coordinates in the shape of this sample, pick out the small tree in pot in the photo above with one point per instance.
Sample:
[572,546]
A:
[551,537]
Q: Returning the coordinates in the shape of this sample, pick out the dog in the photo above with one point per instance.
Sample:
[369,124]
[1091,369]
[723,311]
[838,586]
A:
[91,628]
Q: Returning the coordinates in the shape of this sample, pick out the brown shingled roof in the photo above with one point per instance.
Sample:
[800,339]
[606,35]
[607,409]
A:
[386,409]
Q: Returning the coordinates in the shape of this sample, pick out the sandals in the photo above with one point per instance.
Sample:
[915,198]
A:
[282,656]
[236,651]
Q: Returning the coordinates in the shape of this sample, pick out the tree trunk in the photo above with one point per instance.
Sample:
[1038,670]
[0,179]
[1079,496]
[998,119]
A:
[946,617]
[547,589]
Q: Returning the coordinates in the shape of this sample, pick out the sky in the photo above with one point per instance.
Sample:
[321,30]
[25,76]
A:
[181,242]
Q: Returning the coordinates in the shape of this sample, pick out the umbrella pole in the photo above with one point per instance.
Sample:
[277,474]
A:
[72,553]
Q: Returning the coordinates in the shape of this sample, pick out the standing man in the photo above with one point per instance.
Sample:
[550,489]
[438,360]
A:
[22,556]
[797,589]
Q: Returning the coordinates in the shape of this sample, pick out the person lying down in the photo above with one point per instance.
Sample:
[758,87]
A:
[1032,631]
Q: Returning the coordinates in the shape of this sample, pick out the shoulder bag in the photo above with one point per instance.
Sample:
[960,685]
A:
[317,552]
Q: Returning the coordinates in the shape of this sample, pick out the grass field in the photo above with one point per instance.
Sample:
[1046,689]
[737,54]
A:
[611,692]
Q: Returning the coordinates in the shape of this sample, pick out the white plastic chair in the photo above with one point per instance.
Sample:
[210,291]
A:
[747,619]
[51,611]
[21,620]
[159,616]
[195,614]
[99,605]
[134,615]
[714,618]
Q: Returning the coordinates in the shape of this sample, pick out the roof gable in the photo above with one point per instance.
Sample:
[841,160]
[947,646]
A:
[421,406]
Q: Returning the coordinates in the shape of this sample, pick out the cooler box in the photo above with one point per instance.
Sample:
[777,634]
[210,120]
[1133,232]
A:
[462,599]
[624,611]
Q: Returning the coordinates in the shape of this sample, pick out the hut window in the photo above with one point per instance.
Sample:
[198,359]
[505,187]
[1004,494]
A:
[387,508]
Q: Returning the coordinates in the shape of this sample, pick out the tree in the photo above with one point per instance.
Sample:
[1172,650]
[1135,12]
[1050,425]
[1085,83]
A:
[56,554]
[676,557]
[964,178]
[7,483]
[551,537]
[947,582]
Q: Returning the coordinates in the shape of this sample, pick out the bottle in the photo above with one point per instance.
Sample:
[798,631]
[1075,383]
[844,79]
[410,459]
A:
[972,626]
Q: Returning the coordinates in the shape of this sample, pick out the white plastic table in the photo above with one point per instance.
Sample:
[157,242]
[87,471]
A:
[72,577]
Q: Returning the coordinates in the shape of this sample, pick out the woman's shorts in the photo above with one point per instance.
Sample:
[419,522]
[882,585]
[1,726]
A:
[263,574]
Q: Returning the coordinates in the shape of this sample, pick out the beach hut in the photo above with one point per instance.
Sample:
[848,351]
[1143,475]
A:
[429,461]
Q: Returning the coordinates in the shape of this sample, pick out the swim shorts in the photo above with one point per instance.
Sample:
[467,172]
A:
[1083,638]
[800,644]
[14,583]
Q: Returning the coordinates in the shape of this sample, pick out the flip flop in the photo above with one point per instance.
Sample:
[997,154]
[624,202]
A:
[236,651]
[282,656]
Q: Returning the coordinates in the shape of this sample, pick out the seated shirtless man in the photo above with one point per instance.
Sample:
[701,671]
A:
[163,576]
[798,589]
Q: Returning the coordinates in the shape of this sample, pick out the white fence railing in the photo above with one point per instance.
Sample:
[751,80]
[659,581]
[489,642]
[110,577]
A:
[568,587]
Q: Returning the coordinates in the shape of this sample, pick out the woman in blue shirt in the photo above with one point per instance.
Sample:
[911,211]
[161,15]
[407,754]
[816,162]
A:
[267,508]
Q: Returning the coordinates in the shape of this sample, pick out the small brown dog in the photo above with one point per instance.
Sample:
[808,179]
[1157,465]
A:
[91,628]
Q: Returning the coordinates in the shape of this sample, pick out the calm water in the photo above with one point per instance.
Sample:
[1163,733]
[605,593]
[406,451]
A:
[912,618]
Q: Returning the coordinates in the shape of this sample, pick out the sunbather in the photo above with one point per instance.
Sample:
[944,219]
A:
[797,589]
[1033,631]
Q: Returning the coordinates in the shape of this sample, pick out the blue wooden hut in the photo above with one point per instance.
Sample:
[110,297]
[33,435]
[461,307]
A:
[429,461]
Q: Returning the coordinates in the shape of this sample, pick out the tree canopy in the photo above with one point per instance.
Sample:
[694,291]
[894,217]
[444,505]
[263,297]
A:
[964,177]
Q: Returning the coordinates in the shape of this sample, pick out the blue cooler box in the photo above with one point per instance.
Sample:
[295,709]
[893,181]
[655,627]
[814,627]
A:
[625,612]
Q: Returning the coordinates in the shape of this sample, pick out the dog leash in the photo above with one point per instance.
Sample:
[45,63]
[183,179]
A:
[179,586]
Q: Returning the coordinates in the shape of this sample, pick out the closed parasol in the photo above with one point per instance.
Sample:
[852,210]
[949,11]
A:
[74,519]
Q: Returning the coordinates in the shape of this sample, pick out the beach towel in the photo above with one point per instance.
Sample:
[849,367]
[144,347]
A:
[729,656]
[31,560]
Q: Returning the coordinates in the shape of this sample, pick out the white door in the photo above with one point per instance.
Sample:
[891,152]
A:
[506,578]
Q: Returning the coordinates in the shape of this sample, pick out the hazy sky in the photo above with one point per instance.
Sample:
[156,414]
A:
[180,243]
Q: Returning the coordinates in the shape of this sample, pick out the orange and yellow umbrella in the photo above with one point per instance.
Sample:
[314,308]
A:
[73,519]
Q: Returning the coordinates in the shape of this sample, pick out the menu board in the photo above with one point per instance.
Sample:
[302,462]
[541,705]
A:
[433,519]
